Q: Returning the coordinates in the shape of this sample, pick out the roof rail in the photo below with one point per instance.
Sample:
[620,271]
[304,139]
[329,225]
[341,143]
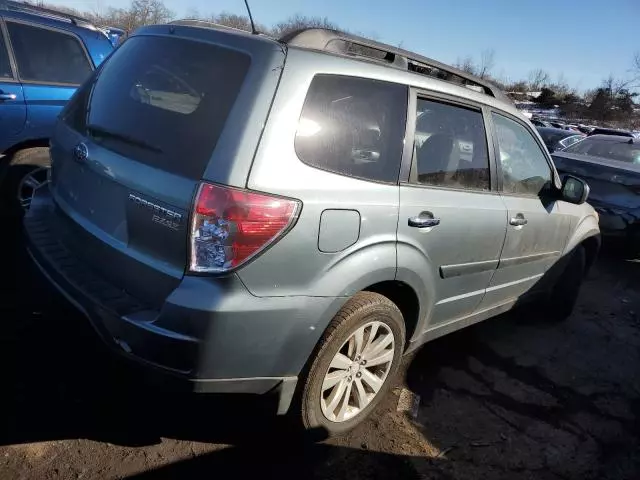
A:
[25,7]
[353,45]
[194,22]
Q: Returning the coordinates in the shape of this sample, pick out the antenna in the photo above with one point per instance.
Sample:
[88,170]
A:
[253,25]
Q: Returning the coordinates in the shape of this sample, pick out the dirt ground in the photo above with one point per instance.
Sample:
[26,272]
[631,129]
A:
[512,398]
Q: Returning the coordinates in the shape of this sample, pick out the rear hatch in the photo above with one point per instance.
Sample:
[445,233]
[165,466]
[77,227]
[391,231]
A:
[133,144]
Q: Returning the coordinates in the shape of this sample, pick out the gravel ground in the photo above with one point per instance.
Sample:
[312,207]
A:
[512,398]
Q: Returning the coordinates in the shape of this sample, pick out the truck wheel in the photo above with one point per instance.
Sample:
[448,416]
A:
[26,172]
[353,365]
[565,293]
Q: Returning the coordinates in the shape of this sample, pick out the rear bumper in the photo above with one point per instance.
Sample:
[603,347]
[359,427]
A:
[210,335]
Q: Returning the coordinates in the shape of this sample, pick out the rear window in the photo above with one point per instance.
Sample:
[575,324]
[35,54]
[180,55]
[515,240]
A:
[164,101]
[353,126]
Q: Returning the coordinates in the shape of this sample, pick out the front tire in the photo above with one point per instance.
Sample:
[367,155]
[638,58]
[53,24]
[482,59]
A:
[354,364]
[565,293]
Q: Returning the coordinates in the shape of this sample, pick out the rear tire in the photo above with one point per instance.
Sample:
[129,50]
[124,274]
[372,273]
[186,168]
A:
[565,292]
[369,328]
[25,172]
[633,245]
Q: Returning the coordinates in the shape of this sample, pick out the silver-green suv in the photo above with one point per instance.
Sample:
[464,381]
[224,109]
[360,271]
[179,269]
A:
[292,216]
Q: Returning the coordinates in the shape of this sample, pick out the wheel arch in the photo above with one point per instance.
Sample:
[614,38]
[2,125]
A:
[405,298]
[31,143]
[587,235]
[592,247]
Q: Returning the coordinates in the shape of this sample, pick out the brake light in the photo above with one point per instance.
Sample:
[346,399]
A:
[230,226]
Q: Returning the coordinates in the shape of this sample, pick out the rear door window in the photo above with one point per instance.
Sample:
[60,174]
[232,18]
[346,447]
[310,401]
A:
[354,127]
[5,65]
[164,101]
[450,147]
[48,56]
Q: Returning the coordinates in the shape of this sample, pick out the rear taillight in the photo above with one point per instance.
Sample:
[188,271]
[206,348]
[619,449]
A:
[230,226]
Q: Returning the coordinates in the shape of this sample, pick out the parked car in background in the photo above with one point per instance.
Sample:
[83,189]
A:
[557,138]
[291,217]
[44,56]
[585,128]
[611,131]
[611,166]
[115,35]
[540,123]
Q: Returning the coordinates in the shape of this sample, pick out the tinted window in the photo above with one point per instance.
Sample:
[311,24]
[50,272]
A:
[164,101]
[353,126]
[450,147]
[623,151]
[524,166]
[47,56]
[5,66]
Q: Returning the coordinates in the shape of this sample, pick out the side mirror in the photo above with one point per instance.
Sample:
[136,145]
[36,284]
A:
[574,190]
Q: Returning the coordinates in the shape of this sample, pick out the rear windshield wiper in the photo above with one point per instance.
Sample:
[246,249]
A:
[97,131]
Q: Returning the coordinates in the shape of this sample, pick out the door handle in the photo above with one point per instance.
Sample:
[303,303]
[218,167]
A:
[7,96]
[424,220]
[518,220]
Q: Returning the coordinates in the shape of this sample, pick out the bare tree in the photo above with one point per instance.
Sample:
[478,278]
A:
[615,86]
[139,13]
[466,64]
[150,12]
[232,20]
[297,22]
[537,79]
[517,87]
[482,68]
[487,62]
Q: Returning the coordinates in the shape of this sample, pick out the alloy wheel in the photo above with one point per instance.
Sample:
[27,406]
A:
[29,184]
[357,372]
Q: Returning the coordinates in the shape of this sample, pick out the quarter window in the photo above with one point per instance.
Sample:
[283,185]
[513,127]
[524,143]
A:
[353,126]
[5,65]
[450,148]
[524,166]
[47,56]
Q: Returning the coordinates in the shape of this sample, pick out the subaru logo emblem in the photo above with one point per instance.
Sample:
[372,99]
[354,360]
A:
[80,152]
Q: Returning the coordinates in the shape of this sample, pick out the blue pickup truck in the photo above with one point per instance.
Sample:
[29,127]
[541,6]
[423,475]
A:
[44,56]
